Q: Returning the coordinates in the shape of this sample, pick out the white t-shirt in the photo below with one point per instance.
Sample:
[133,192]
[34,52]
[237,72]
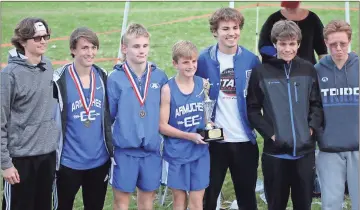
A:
[227,112]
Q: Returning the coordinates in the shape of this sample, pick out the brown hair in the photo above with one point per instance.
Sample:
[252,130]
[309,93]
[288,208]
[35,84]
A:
[25,30]
[183,49]
[285,29]
[83,32]
[337,26]
[225,14]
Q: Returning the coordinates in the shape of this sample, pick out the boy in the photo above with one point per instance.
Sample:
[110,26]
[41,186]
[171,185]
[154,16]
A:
[228,67]
[86,147]
[134,97]
[338,159]
[28,130]
[184,149]
[284,106]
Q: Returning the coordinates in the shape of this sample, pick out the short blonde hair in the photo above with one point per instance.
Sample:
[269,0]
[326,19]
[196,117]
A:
[183,49]
[135,29]
[337,26]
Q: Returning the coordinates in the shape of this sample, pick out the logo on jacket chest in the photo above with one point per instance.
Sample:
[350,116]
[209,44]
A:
[227,82]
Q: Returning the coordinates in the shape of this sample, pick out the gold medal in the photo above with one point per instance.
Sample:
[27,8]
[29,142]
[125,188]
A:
[142,114]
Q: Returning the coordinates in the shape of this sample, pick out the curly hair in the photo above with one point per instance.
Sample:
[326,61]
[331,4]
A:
[225,14]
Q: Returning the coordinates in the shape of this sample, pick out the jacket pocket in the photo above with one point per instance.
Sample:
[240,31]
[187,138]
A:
[42,134]
[296,91]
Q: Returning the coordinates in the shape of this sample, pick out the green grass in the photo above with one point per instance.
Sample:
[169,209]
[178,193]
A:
[63,17]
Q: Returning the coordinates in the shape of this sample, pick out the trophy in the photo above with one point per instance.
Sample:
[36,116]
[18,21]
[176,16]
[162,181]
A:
[210,132]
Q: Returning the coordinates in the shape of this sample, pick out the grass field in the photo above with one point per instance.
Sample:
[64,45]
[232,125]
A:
[167,23]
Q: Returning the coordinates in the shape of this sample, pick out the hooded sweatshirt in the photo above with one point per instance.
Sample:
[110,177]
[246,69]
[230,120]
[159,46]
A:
[28,127]
[340,97]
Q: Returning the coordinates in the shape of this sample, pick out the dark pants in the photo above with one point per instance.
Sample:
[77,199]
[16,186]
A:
[34,192]
[281,175]
[93,182]
[242,160]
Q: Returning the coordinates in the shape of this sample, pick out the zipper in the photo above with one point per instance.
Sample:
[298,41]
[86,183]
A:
[103,115]
[291,107]
[296,93]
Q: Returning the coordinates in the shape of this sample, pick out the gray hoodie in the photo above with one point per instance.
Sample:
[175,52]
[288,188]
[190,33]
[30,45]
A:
[340,97]
[27,109]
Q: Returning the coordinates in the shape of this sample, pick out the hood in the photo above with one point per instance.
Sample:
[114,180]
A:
[328,63]
[17,58]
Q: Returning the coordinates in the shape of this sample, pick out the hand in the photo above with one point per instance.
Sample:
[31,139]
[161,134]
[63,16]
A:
[212,124]
[11,175]
[273,138]
[196,138]
[311,131]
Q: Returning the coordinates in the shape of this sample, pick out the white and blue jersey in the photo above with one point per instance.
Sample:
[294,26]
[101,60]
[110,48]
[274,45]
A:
[186,114]
[84,146]
[135,134]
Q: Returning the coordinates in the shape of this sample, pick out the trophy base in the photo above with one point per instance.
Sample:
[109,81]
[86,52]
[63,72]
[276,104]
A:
[211,135]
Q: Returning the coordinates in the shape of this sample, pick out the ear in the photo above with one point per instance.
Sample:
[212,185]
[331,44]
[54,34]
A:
[174,63]
[274,45]
[123,49]
[215,34]
[326,43]
[72,51]
[299,45]
[23,43]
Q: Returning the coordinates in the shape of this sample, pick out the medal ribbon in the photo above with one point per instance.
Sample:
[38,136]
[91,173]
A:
[135,87]
[78,85]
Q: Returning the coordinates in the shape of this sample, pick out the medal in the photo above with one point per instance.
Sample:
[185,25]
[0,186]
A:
[142,113]
[141,99]
[87,123]
[79,88]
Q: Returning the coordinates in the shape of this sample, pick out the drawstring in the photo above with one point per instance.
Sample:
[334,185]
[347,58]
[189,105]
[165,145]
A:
[346,79]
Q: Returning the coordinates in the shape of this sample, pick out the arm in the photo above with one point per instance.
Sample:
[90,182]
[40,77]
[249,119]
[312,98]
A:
[200,67]
[265,46]
[113,96]
[319,43]
[169,130]
[254,101]
[10,173]
[316,114]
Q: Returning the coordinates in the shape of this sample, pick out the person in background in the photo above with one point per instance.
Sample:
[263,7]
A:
[311,29]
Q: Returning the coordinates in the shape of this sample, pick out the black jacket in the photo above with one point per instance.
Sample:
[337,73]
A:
[312,37]
[291,105]
[60,93]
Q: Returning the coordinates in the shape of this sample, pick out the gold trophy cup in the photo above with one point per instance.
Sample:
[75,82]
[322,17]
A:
[210,133]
